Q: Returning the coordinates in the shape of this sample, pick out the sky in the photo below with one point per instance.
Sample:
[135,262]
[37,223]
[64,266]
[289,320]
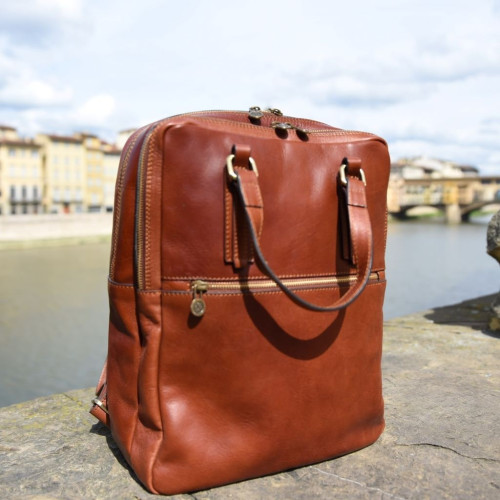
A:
[425,74]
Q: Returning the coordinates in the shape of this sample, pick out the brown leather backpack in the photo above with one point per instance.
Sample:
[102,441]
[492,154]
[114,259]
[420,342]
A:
[246,287]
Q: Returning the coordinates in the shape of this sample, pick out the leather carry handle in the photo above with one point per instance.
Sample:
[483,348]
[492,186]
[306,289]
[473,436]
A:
[246,185]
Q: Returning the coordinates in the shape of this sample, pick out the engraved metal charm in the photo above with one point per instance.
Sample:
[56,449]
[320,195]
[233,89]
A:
[198,307]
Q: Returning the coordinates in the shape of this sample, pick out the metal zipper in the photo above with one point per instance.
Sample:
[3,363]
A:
[122,168]
[255,113]
[139,231]
[201,287]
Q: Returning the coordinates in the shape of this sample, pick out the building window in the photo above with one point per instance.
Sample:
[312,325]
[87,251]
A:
[12,192]
[24,192]
[57,194]
[12,170]
[12,152]
[34,153]
[35,193]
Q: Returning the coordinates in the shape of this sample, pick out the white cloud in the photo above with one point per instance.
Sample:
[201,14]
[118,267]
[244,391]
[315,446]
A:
[95,111]
[423,74]
[35,22]
[31,93]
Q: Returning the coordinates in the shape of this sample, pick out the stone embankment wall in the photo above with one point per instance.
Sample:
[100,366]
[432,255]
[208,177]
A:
[31,230]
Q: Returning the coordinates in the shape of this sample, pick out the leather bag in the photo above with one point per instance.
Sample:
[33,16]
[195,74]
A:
[246,287]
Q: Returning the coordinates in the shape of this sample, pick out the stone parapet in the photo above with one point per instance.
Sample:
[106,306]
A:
[44,229]
[441,386]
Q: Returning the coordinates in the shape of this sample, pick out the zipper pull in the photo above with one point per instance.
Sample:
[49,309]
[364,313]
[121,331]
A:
[198,305]
[275,111]
[283,127]
[255,113]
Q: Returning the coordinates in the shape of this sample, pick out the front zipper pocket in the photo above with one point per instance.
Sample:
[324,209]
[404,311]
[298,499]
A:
[200,288]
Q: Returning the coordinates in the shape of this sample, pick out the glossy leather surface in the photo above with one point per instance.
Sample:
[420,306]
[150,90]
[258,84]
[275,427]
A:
[258,384]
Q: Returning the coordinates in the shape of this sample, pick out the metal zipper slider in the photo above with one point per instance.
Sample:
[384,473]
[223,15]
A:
[283,127]
[198,305]
[255,113]
[275,111]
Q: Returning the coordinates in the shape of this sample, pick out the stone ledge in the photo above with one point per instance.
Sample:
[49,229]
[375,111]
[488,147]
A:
[28,231]
[441,386]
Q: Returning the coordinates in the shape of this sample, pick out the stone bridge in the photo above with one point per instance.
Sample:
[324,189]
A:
[457,197]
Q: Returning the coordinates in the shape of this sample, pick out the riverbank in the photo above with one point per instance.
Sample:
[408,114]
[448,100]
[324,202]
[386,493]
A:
[41,230]
[442,440]
[30,231]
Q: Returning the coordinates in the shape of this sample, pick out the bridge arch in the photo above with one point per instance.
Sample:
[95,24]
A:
[457,197]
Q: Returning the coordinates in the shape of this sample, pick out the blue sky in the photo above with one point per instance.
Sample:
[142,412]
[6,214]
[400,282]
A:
[425,75]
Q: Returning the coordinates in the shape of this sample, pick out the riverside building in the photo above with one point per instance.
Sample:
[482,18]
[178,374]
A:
[56,173]
[21,179]
[63,160]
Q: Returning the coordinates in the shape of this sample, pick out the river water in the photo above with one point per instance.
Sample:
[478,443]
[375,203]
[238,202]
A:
[53,301]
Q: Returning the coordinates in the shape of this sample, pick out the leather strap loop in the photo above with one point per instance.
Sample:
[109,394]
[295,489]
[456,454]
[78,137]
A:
[247,188]
[237,242]
[99,403]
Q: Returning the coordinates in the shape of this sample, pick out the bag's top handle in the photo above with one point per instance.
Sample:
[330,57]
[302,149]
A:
[246,186]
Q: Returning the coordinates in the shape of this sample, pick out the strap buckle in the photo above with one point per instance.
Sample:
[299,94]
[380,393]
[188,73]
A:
[100,404]
[230,168]
[343,178]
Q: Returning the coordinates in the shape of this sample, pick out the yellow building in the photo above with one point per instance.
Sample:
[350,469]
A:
[21,181]
[56,174]
[64,172]
[111,161]
[94,155]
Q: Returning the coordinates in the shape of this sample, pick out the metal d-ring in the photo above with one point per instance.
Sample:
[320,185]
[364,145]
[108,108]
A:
[343,178]
[230,168]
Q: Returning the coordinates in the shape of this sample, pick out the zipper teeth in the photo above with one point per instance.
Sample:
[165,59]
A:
[140,211]
[333,130]
[337,132]
[330,131]
[269,284]
[121,169]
